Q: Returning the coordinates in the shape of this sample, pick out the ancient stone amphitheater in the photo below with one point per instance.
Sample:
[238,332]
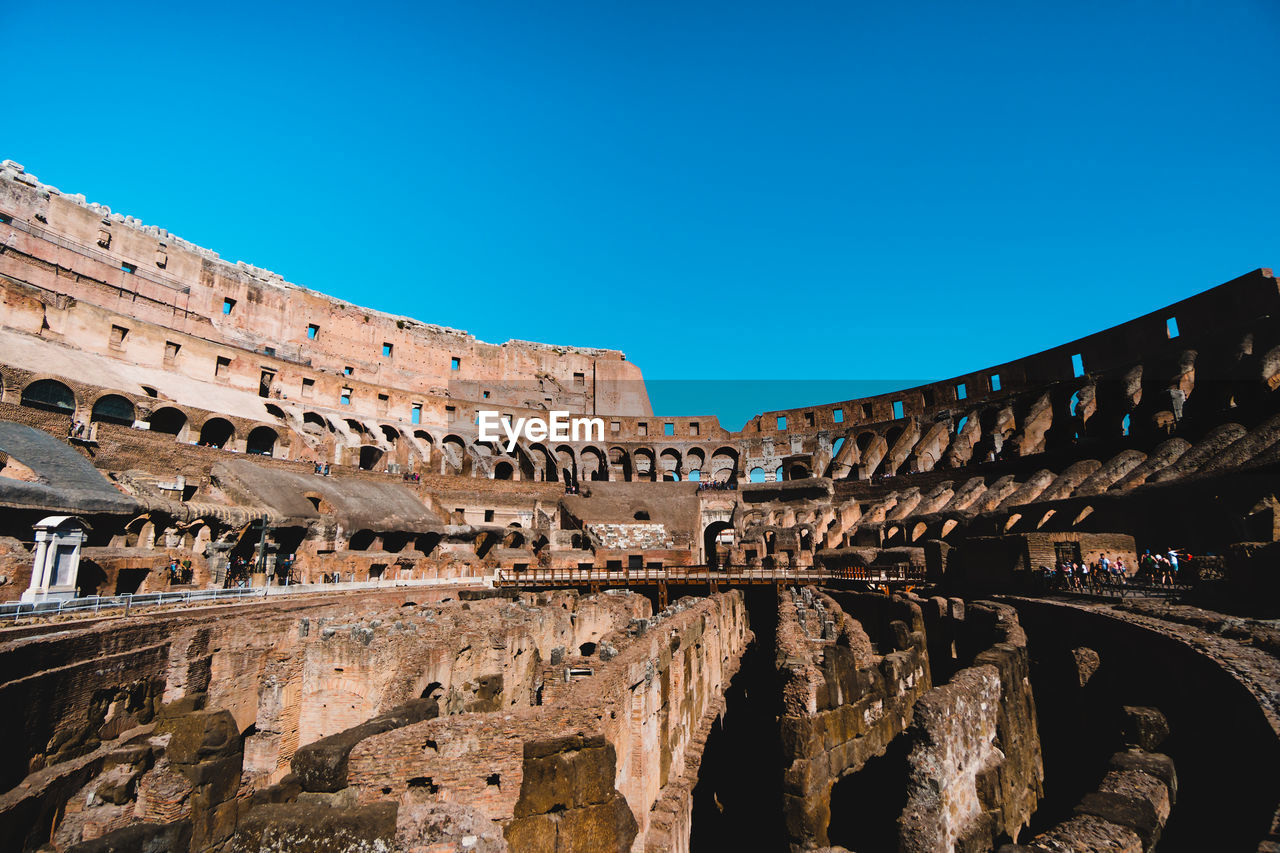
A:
[265,589]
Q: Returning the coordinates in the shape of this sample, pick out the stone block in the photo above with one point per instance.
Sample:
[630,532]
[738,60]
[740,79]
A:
[1145,728]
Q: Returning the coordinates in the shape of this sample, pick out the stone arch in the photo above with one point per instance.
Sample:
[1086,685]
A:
[169,421]
[503,471]
[361,540]
[669,464]
[619,458]
[316,419]
[567,462]
[50,395]
[710,541]
[370,456]
[217,432]
[593,464]
[539,453]
[643,463]
[724,464]
[113,409]
[261,441]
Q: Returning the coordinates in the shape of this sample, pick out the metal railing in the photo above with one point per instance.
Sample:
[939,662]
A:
[15,610]
[534,576]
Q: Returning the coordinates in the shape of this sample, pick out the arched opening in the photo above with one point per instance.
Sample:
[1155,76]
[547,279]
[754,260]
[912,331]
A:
[390,433]
[313,419]
[261,441]
[216,432]
[619,460]
[369,457]
[361,541]
[50,395]
[643,462]
[427,542]
[642,515]
[757,474]
[455,452]
[169,421]
[799,472]
[777,474]
[503,471]
[593,465]
[275,411]
[724,465]
[587,649]
[113,409]
[717,539]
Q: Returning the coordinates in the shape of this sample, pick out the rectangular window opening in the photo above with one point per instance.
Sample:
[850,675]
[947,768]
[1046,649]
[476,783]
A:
[455,363]
[118,334]
[668,429]
[579,379]
[782,421]
[995,382]
[415,415]
[264,383]
[488,515]
[345,397]
[222,366]
[131,268]
[694,428]
[837,415]
[1077,365]
[615,426]
[897,409]
[308,387]
[1171,326]
[962,391]
[312,331]
[643,428]
[348,370]
[171,350]
[386,349]
[227,304]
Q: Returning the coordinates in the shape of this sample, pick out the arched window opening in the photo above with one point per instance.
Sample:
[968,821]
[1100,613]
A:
[113,409]
[216,432]
[50,395]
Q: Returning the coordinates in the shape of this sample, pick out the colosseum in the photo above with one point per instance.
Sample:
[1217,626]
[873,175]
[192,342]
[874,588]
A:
[266,584]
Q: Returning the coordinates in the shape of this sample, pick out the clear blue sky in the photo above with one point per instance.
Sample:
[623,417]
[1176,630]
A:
[768,191]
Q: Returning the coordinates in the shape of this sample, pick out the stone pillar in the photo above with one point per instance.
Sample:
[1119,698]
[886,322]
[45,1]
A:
[38,565]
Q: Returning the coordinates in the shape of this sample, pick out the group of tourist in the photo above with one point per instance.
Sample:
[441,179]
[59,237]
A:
[717,486]
[1078,575]
[412,477]
[178,573]
[322,468]
[570,488]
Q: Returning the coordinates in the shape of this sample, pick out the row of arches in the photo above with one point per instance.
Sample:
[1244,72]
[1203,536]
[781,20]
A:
[52,395]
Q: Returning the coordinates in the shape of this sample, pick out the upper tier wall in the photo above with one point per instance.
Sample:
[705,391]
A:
[69,248]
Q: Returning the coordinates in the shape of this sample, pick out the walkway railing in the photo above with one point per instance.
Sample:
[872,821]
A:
[98,603]
[725,575]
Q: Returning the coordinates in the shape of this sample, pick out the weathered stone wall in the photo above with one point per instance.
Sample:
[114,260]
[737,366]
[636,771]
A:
[976,772]
[843,702]
[620,733]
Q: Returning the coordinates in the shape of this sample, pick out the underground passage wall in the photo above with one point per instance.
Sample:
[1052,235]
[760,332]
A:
[1218,698]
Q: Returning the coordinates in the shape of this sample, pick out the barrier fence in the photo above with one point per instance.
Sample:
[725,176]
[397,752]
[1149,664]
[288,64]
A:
[532,577]
[98,603]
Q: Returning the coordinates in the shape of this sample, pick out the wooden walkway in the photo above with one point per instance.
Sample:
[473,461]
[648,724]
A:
[714,578]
